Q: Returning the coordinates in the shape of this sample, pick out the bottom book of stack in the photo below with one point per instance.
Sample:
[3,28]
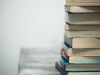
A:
[66,68]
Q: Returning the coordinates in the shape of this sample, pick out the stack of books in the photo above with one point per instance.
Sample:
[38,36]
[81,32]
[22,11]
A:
[80,53]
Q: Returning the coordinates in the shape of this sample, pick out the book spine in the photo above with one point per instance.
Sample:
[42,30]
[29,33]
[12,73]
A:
[68,41]
[66,17]
[67,8]
[65,47]
[62,63]
[64,55]
[59,67]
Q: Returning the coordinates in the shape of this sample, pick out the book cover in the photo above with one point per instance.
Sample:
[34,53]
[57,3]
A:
[80,67]
[59,67]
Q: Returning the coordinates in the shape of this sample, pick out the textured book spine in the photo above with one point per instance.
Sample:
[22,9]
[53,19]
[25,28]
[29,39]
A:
[68,41]
[64,55]
[63,63]
[67,8]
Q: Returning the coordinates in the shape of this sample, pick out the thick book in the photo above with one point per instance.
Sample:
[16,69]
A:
[80,59]
[82,9]
[82,2]
[80,27]
[82,34]
[82,18]
[82,42]
[59,67]
[80,67]
[80,52]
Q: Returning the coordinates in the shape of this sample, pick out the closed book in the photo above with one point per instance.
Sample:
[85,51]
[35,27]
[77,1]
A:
[82,34]
[59,67]
[82,2]
[82,9]
[80,52]
[80,59]
[80,67]
[82,42]
[80,27]
[82,18]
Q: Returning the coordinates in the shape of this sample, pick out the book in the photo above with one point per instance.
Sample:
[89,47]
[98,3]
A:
[80,59]
[82,42]
[80,52]
[82,34]
[69,27]
[59,67]
[82,9]
[82,18]
[80,67]
[82,2]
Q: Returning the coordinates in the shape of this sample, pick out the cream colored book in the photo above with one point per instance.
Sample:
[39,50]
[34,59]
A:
[82,18]
[82,2]
[82,34]
[82,9]
[82,42]
[84,59]
[82,27]
[81,52]
[80,67]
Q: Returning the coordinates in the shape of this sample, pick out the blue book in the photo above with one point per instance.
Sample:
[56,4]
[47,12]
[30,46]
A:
[77,67]
[59,67]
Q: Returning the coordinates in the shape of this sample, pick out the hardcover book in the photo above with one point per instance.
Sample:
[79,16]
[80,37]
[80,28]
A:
[85,28]
[80,52]
[82,9]
[59,67]
[82,34]
[80,59]
[82,42]
[80,67]
[82,18]
[82,2]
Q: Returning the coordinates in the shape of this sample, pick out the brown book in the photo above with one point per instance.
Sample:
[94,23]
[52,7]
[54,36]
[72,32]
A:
[82,42]
[82,2]
[82,34]
[82,18]
[81,52]
[82,9]
[82,27]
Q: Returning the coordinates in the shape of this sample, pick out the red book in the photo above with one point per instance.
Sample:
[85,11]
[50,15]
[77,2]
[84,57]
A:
[64,55]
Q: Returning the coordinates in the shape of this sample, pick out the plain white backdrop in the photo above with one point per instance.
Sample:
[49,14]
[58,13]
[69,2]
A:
[28,24]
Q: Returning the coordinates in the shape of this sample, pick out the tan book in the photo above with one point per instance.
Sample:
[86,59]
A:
[82,2]
[82,27]
[84,59]
[82,34]
[79,67]
[82,18]
[82,9]
[82,42]
[81,52]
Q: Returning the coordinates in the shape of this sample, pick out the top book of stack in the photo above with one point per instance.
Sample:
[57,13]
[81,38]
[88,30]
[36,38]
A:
[82,2]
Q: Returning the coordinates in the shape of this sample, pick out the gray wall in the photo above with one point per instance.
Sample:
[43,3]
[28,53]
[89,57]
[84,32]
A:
[28,24]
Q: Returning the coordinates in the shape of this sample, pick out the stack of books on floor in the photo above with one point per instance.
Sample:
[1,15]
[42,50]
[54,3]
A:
[80,53]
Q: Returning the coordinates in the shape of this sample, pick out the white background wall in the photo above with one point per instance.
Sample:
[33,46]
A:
[28,24]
